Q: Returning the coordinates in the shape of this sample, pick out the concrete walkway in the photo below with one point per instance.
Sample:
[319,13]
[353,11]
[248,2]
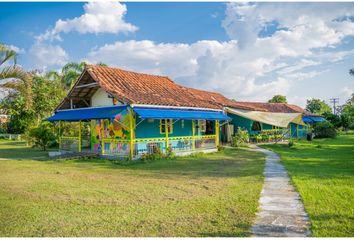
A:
[281,211]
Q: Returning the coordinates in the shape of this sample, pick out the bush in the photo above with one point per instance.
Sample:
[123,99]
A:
[241,138]
[291,143]
[43,135]
[325,130]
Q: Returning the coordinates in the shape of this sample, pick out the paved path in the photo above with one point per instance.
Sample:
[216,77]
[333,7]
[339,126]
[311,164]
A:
[281,211]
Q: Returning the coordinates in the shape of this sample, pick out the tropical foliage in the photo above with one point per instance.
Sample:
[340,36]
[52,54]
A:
[241,138]
[278,99]
[317,106]
[325,130]
[43,135]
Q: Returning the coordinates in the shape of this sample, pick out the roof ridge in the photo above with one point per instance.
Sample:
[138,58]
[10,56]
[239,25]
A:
[128,71]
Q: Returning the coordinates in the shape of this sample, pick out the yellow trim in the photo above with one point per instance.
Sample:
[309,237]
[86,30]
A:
[131,129]
[171,138]
[102,137]
[59,135]
[168,125]
[69,138]
[166,135]
[80,136]
[193,138]
[217,132]
[149,139]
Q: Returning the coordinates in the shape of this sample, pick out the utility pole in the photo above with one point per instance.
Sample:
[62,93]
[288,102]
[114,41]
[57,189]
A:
[334,101]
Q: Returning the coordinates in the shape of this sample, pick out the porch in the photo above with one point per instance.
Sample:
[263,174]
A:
[122,132]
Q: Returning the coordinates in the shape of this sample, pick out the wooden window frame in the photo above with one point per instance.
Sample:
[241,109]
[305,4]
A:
[163,123]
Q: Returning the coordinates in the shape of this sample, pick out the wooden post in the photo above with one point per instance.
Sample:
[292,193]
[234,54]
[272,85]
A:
[80,136]
[131,129]
[167,126]
[193,138]
[102,137]
[59,135]
[217,133]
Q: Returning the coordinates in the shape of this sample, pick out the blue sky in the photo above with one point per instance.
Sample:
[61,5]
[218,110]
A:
[247,51]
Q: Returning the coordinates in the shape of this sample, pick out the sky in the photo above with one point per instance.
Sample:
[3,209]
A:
[246,51]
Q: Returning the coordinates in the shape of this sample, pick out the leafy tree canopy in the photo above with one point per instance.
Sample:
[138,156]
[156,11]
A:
[278,99]
[318,106]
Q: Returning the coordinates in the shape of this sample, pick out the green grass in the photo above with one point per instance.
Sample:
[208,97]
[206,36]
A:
[19,149]
[205,195]
[323,173]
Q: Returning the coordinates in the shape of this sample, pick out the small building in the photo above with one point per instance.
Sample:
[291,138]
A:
[286,119]
[126,114]
[130,114]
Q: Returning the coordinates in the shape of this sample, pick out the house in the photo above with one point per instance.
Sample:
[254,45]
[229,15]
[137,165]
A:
[130,114]
[127,114]
[286,118]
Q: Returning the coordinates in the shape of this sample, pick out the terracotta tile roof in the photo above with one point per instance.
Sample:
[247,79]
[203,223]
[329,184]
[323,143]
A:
[139,88]
[278,107]
[220,99]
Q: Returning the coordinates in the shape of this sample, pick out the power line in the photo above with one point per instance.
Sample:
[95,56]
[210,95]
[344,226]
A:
[334,101]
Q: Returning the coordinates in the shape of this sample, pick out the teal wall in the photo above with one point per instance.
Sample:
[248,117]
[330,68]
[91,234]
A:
[242,122]
[148,129]
[302,131]
[266,126]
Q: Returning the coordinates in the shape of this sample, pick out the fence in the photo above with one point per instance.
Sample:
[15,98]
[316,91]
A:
[10,136]
[120,148]
[177,144]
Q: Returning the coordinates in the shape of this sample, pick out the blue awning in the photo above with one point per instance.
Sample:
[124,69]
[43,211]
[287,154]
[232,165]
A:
[86,113]
[165,113]
[313,119]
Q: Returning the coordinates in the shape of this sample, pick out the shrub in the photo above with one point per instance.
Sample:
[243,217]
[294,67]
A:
[291,143]
[325,130]
[43,135]
[241,138]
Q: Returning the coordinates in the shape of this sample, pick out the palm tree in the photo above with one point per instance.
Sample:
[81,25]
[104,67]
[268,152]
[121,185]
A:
[19,80]
[70,72]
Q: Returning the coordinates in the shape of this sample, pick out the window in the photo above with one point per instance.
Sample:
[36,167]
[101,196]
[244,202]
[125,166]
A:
[256,126]
[164,123]
[209,127]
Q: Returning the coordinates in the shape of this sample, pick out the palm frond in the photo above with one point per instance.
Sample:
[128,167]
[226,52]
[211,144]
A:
[6,54]
[13,72]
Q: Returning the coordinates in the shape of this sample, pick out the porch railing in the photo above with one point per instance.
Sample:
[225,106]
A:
[70,144]
[121,148]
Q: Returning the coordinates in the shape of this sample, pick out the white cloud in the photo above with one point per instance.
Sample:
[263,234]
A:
[347,92]
[44,55]
[16,49]
[99,17]
[248,66]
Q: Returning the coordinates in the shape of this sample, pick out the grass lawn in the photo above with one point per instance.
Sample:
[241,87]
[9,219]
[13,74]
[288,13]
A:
[204,195]
[323,173]
[19,149]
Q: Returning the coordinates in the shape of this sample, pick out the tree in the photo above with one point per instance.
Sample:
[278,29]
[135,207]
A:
[46,95]
[278,99]
[347,114]
[18,79]
[70,73]
[43,135]
[351,71]
[317,106]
